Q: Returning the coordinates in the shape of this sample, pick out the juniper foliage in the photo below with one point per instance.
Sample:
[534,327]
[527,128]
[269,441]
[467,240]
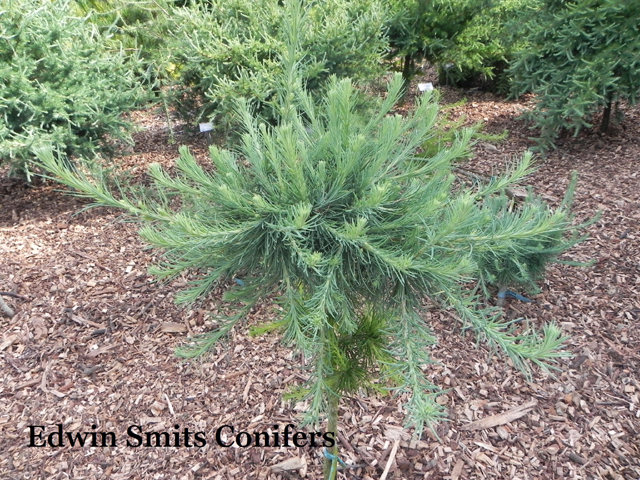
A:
[59,85]
[338,216]
[139,27]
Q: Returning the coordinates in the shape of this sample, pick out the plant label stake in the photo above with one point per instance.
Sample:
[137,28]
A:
[207,128]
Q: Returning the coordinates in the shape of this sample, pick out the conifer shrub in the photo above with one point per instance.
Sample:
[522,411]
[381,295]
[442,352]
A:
[427,30]
[139,27]
[220,50]
[582,58]
[482,52]
[470,41]
[336,215]
[59,85]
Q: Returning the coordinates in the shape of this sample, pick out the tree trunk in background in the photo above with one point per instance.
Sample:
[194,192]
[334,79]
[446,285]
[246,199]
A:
[606,116]
[407,69]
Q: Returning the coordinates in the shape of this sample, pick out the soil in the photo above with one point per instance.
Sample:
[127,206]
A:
[91,344]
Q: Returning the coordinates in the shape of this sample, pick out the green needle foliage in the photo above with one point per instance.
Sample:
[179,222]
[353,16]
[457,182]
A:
[337,216]
[582,57]
[482,51]
[419,29]
[525,262]
[59,84]
[140,27]
[219,50]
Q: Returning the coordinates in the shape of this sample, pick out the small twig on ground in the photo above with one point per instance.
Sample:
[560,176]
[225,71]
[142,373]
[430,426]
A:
[28,383]
[392,457]
[346,442]
[14,295]
[502,418]
[166,397]
[43,380]
[92,258]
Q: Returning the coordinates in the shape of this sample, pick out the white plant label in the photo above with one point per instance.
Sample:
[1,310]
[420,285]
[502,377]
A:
[425,87]
[206,127]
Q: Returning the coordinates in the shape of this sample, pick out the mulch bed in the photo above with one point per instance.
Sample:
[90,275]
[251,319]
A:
[93,337]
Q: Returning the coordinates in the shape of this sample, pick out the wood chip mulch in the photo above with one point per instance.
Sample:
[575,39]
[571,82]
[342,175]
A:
[92,342]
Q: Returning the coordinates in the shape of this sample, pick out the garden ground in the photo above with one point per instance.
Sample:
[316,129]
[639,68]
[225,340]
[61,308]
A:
[93,337]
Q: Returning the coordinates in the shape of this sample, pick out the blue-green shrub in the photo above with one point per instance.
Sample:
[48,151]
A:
[59,85]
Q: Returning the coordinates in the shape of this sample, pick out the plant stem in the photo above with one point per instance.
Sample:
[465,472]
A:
[407,71]
[330,469]
[501,296]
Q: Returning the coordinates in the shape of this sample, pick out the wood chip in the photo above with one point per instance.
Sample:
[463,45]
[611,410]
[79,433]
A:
[501,419]
[170,327]
[457,469]
[7,342]
[574,457]
[293,463]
